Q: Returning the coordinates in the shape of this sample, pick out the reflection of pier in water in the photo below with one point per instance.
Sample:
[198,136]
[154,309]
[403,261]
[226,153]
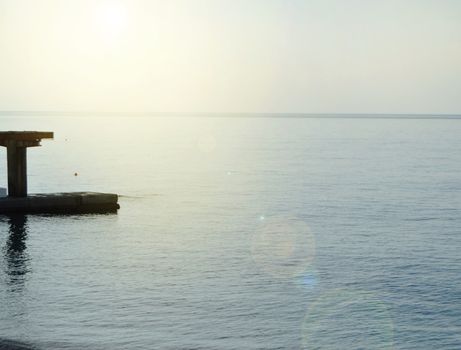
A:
[16,267]
[15,255]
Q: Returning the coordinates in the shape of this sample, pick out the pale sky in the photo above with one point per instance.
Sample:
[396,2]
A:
[299,56]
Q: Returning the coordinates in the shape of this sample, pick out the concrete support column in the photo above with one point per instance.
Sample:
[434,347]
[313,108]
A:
[17,170]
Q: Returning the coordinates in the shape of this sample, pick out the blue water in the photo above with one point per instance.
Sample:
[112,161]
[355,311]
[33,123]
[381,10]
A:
[239,233]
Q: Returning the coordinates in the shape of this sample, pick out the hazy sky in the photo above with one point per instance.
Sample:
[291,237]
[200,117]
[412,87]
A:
[327,56]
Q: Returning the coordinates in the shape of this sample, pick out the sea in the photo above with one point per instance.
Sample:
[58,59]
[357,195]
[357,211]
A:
[238,232]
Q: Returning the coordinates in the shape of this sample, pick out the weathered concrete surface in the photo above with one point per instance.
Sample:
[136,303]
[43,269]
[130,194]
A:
[61,203]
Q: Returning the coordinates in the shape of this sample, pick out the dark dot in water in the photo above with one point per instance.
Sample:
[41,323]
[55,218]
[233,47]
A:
[75,174]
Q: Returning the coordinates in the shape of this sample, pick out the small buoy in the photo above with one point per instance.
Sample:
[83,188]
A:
[75,174]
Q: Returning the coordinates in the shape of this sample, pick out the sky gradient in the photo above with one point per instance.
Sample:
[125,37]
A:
[276,56]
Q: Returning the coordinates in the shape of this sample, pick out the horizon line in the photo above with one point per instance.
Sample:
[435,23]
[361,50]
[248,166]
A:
[362,115]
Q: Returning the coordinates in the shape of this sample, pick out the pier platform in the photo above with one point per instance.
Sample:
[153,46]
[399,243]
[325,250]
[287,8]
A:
[19,201]
[60,203]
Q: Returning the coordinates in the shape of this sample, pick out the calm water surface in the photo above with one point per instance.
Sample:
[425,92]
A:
[239,234]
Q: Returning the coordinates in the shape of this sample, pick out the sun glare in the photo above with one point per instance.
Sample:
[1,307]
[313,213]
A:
[111,19]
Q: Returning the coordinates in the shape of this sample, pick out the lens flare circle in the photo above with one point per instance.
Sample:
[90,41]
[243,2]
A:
[283,247]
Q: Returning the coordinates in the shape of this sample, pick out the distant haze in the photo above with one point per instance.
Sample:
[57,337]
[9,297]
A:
[313,56]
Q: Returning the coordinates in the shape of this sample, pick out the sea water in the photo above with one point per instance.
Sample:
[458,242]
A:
[238,233]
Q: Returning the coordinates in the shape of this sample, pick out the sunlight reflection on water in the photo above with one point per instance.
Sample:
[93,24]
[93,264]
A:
[261,243]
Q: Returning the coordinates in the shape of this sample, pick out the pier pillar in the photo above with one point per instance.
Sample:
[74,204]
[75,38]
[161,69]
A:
[17,170]
[16,143]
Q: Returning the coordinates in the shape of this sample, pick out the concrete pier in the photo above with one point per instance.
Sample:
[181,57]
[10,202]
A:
[19,201]
[60,203]
[16,143]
